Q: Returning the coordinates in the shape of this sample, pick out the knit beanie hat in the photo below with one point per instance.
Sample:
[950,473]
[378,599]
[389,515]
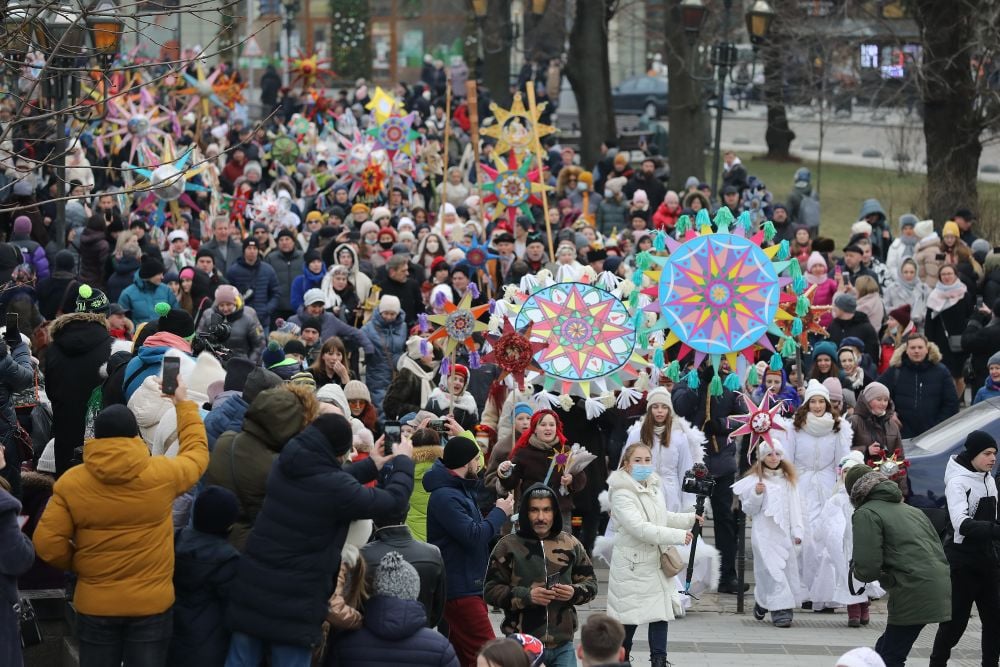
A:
[272,355]
[312,323]
[150,266]
[815,259]
[860,657]
[356,390]
[950,229]
[854,474]
[115,421]
[413,347]
[825,348]
[523,409]
[389,304]
[260,380]
[994,360]
[22,225]
[238,370]
[65,261]
[215,510]
[847,303]
[874,390]
[459,369]
[333,394]
[91,300]
[295,346]
[227,294]
[396,578]
[901,315]
[304,378]
[458,451]
[337,432]
[976,442]
[908,220]
[174,320]
[834,389]
[659,395]
[815,388]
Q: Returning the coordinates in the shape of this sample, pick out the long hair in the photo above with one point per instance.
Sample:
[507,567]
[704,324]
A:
[817,374]
[757,470]
[799,420]
[368,416]
[646,433]
[630,450]
[535,418]
[332,343]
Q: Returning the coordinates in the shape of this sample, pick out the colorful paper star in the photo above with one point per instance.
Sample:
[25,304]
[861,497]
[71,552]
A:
[809,321]
[759,422]
[517,129]
[383,105]
[512,187]
[458,324]
[513,351]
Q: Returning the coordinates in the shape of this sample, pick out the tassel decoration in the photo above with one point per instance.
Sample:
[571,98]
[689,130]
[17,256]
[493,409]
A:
[783,252]
[769,231]
[753,379]
[674,371]
[445,367]
[796,327]
[474,290]
[474,360]
[802,306]
[423,323]
[776,362]
[658,357]
[692,379]
[715,386]
[425,348]
[732,382]
[788,348]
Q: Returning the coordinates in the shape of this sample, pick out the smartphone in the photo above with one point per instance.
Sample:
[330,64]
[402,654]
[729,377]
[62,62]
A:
[996,249]
[979,302]
[11,331]
[939,257]
[171,369]
[393,434]
[439,425]
[552,579]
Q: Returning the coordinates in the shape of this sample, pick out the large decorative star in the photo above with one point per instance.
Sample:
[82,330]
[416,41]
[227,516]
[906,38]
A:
[205,90]
[383,105]
[458,324]
[396,133]
[513,351]
[477,254]
[166,179]
[517,129]
[512,187]
[759,422]
[308,69]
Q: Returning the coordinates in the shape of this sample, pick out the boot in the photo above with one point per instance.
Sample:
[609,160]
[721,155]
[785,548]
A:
[782,618]
[759,612]
[659,661]
[865,608]
[854,615]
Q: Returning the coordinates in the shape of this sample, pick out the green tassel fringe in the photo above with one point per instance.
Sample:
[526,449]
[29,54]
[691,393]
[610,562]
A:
[796,327]
[802,306]
[788,348]
[745,222]
[715,386]
[775,362]
[660,241]
[769,231]
[753,379]
[702,220]
[683,225]
[783,252]
[692,379]
[674,371]
[799,284]
[732,382]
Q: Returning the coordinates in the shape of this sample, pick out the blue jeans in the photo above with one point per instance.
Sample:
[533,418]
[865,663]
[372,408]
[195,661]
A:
[657,638]
[138,641]
[247,651]
[560,656]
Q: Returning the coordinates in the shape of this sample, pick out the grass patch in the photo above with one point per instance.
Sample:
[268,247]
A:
[844,187]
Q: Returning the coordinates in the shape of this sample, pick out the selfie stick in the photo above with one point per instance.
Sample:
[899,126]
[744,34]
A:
[699,510]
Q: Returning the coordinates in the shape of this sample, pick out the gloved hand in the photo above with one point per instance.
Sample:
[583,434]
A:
[3,349]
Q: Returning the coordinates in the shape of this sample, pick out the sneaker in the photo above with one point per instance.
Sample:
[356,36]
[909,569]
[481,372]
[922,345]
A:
[759,612]
[807,605]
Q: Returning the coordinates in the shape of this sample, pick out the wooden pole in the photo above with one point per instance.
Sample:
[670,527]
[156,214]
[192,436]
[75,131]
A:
[472,100]
[537,145]
[444,158]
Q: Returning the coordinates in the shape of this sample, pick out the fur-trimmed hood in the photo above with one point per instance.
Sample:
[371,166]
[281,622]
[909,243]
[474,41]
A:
[933,355]
[60,322]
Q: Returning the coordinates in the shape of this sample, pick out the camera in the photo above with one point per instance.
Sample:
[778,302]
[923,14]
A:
[212,341]
[698,481]
[439,425]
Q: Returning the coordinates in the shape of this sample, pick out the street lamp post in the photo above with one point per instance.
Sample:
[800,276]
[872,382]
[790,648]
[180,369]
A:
[291,8]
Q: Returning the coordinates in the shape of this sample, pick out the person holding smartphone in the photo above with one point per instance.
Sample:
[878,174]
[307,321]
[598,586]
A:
[16,374]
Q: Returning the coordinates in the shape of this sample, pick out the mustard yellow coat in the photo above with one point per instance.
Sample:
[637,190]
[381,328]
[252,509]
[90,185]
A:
[109,520]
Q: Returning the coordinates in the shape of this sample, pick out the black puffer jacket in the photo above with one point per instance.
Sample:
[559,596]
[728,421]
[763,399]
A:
[720,451]
[860,327]
[924,393]
[287,574]
[81,345]
[16,374]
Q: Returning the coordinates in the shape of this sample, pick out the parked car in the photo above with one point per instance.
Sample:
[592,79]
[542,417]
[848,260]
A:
[641,95]
[928,453]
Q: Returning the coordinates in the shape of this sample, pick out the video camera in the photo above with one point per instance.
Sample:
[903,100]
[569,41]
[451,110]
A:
[212,340]
[698,481]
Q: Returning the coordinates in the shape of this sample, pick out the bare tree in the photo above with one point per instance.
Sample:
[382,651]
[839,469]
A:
[686,102]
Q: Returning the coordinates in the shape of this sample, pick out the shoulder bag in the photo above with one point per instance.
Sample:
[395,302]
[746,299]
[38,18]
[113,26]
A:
[671,563]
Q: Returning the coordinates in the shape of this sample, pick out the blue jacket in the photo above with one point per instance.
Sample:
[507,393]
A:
[16,374]
[394,633]
[262,279]
[122,274]
[16,557]
[988,390]
[204,568]
[288,571]
[145,363]
[388,338]
[457,527]
[140,299]
[923,394]
[225,416]
[302,284]
[334,326]
[34,255]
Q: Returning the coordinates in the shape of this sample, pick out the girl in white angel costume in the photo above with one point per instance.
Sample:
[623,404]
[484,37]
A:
[815,442]
[769,498]
[676,446]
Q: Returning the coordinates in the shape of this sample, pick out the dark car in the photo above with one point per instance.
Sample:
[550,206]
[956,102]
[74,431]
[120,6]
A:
[641,95]
[928,453]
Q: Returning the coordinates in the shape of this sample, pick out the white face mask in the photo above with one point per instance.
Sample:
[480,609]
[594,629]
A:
[608,194]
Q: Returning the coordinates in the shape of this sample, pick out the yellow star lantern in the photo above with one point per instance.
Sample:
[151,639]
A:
[383,104]
[458,324]
[517,129]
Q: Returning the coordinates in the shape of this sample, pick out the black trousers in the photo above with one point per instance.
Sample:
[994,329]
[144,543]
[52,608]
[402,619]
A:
[895,643]
[725,526]
[971,585]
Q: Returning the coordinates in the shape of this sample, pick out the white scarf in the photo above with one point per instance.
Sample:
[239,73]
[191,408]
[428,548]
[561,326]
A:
[818,426]
[463,402]
[943,297]
[426,377]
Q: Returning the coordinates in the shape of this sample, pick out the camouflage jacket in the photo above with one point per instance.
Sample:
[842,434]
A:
[519,563]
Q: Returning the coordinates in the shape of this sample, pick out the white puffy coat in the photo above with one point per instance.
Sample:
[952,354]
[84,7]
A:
[638,591]
[670,463]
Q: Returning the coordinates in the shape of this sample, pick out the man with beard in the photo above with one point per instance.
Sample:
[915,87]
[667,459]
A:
[646,180]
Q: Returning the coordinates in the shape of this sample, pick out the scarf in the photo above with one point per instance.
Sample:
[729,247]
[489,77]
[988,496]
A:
[818,426]
[815,280]
[943,297]
[910,243]
[538,443]
[856,378]
[423,375]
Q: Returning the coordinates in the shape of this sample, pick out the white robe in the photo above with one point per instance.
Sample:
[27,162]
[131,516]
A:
[835,544]
[777,522]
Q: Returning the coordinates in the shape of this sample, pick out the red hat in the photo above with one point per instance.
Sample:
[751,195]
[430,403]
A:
[901,315]
[461,370]
[388,230]
[438,263]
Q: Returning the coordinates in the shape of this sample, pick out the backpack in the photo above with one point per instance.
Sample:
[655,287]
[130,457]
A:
[809,212]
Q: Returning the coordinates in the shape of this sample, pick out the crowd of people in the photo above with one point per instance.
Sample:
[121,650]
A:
[327,486]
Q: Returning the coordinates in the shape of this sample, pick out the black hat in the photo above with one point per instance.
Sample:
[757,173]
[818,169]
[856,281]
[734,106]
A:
[730,190]
[458,451]
[174,320]
[285,231]
[534,238]
[138,223]
[237,370]
[503,237]
[215,510]
[311,323]
[249,241]
[115,309]
[260,379]
[204,252]
[150,266]
[854,248]
[115,421]
[295,346]
[596,255]
[335,211]
[91,300]
[65,261]
[311,256]
[337,431]
[976,442]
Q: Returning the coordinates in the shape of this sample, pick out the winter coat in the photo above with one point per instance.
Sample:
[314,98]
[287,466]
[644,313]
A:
[926,257]
[816,458]
[241,461]
[671,462]
[425,559]
[94,252]
[924,393]
[896,295]
[362,283]
[638,591]
[334,326]
[58,293]
[388,340]
[16,374]
[246,336]
[288,572]
[34,256]
[972,507]
[465,412]
[612,216]
[593,435]
[394,632]
[122,275]
[72,366]
[262,279]
[866,429]
[148,360]
[951,322]
[823,296]
[225,415]
[872,306]
[456,527]
[204,569]
[403,395]
[858,326]
[410,297]
[226,253]
[303,283]
[16,557]
[109,520]
[522,561]
[288,268]
[981,339]
[416,518]
[880,245]
[720,451]
[897,545]
[531,466]
[140,298]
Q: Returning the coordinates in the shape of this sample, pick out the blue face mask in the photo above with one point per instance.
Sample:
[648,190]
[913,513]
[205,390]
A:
[641,473]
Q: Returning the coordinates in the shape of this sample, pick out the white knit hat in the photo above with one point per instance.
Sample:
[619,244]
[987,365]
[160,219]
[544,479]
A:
[659,395]
[924,228]
[389,304]
[764,449]
[815,388]
[861,227]
[413,347]
[860,657]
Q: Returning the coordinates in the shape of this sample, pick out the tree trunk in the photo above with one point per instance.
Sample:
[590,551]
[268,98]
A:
[589,73]
[951,125]
[778,135]
[685,105]
[496,34]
